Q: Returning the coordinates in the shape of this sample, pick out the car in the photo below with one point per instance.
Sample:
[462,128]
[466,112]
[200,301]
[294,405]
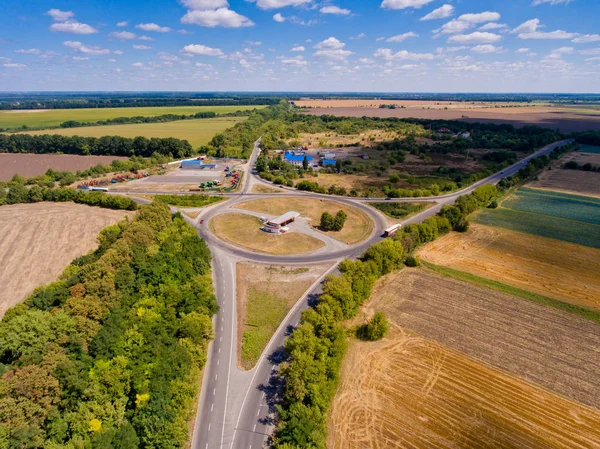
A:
[201,221]
[502,172]
[388,198]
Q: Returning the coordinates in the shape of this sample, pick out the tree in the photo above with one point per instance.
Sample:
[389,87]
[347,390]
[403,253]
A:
[377,328]
[305,163]
[339,220]
[394,178]
[327,221]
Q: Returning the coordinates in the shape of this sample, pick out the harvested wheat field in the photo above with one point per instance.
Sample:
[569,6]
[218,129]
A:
[407,391]
[571,181]
[557,350]
[265,294]
[549,267]
[38,241]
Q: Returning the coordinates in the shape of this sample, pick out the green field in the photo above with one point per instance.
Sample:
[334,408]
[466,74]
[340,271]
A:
[589,149]
[398,210]
[54,117]
[189,200]
[571,218]
[197,132]
[556,204]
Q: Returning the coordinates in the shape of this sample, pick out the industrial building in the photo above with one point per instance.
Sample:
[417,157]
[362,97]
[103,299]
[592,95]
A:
[328,162]
[277,225]
[196,165]
[291,158]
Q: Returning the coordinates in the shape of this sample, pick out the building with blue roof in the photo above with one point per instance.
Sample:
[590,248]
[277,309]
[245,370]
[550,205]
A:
[196,164]
[328,161]
[291,158]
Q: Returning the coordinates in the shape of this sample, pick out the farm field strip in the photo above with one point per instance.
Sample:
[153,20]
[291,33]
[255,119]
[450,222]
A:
[572,231]
[197,132]
[410,391]
[557,350]
[40,240]
[556,204]
[54,117]
[589,149]
[552,268]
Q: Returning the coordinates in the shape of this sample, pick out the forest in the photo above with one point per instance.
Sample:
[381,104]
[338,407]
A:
[109,356]
[102,146]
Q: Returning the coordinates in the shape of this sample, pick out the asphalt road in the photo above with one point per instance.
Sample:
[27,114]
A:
[236,408]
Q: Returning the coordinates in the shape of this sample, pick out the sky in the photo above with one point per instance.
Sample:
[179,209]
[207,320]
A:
[301,45]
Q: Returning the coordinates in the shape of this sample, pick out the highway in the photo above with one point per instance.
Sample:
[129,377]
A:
[236,407]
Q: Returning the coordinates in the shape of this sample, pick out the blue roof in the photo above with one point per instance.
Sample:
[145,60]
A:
[192,162]
[328,161]
[290,158]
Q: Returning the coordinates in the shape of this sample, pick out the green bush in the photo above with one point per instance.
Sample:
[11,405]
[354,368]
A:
[377,328]
[411,261]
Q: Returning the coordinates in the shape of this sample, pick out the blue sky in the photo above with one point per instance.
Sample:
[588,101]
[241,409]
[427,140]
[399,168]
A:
[301,45]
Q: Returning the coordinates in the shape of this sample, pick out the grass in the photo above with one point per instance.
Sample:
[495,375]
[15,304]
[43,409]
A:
[54,117]
[357,228]
[589,149]
[196,132]
[499,286]
[398,210]
[261,188]
[244,230]
[189,200]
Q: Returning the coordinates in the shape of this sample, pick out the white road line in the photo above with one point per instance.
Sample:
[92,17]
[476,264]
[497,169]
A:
[229,368]
[254,430]
[212,406]
[218,362]
[214,391]
[219,350]
[216,376]
[220,338]
[258,412]
[209,427]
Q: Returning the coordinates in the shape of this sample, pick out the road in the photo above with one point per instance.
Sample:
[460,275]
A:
[235,410]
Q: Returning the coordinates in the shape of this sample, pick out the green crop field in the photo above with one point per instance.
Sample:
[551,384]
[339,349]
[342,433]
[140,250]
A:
[571,218]
[196,132]
[556,204]
[589,149]
[54,117]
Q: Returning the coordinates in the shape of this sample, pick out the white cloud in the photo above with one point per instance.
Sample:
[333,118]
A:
[558,34]
[522,50]
[558,52]
[552,2]
[587,38]
[80,58]
[60,16]
[197,49]
[477,37]
[72,26]
[274,4]
[590,51]
[112,60]
[123,24]
[89,49]
[402,37]
[278,18]
[358,37]
[440,13]
[221,17]
[124,35]
[137,64]
[117,52]
[185,32]
[403,4]
[493,26]
[402,55]
[454,26]
[14,65]
[30,51]
[333,55]
[528,27]
[487,48]
[595,58]
[487,16]
[145,38]
[299,48]
[142,47]
[254,43]
[153,27]
[335,10]
[330,43]
[205,4]
[297,61]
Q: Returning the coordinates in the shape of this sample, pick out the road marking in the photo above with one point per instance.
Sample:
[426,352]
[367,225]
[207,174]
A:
[263,396]
[220,338]
[254,430]
[219,350]
[221,328]
[258,412]
[218,362]
[212,406]
[229,368]
[214,391]
[209,427]
[216,376]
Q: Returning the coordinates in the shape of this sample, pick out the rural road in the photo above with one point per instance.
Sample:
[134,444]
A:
[236,407]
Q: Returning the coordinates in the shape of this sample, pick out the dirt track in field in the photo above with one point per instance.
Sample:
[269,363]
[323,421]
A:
[38,241]
[557,350]
[28,165]
[565,119]
[407,391]
[549,267]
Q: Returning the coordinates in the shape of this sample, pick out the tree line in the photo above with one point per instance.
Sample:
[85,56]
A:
[95,146]
[110,355]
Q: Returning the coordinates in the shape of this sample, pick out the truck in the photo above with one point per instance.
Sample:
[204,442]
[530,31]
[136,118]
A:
[392,230]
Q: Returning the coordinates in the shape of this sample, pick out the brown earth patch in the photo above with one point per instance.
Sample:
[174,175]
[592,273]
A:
[28,165]
[549,267]
[39,241]
[409,391]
